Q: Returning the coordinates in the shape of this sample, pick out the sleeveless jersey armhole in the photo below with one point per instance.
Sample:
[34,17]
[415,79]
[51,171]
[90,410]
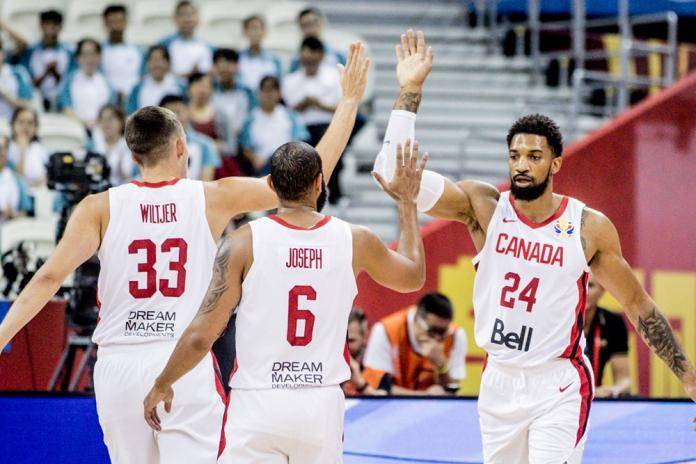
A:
[496,214]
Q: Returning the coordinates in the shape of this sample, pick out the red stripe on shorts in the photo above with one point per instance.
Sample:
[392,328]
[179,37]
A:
[574,344]
[225,400]
[585,396]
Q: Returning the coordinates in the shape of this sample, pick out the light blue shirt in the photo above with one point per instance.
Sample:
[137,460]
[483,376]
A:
[202,153]
[14,81]
[123,64]
[236,104]
[263,133]
[37,58]
[253,68]
[84,94]
[188,54]
[147,92]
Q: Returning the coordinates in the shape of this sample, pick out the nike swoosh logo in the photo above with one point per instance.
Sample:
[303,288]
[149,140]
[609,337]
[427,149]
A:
[506,220]
[564,388]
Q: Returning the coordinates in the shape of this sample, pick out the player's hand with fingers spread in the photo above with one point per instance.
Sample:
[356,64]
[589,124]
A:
[405,184]
[414,60]
[354,73]
[157,394]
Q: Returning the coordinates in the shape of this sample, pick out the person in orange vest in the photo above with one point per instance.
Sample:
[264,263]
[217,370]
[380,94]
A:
[419,348]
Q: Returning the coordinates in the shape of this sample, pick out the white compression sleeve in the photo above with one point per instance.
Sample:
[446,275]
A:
[401,127]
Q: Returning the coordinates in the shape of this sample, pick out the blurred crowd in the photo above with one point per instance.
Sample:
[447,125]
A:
[236,106]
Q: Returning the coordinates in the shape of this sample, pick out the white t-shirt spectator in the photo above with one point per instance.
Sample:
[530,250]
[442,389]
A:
[13,192]
[325,86]
[263,132]
[188,54]
[254,67]
[84,94]
[37,58]
[122,64]
[14,81]
[123,168]
[236,104]
[34,164]
[378,354]
[148,92]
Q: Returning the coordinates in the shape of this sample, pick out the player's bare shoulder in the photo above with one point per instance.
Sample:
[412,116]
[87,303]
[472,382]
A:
[597,233]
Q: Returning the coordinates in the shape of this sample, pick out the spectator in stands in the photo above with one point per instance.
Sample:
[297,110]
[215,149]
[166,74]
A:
[108,139]
[203,156]
[231,97]
[157,83]
[14,200]
[16,89]
[49,59]
[269,126]
[314,92]
[607,342]
[419,347]
[85,91]
[311,22]
[357,341]
[122,62]
[26,154]
[255,62]
[189,54]
[206,118]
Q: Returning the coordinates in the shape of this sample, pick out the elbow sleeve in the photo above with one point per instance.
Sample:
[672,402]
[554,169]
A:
[401,127]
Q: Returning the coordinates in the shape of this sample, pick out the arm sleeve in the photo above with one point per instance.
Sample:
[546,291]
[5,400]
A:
[401,127]
[377,352]
[457,359]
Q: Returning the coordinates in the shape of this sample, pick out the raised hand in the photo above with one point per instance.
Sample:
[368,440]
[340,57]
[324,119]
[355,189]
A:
[414,61]
[354,73]
[405,184]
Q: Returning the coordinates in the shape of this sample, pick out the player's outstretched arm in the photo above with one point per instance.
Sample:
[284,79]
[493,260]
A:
[232,260]
[237,195]
[614,273]
[80,241]
[402,270]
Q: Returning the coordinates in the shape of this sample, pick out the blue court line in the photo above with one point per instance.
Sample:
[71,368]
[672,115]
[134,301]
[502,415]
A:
[401,459]
[693,459]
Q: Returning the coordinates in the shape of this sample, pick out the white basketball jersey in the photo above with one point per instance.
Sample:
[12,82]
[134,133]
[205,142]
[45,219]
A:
[156,261]
[292,319]
[530,286]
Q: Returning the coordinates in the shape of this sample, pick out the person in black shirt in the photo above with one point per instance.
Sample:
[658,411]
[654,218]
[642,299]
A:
[607,341]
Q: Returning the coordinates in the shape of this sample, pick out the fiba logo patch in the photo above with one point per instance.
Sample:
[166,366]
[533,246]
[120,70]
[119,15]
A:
[564,228]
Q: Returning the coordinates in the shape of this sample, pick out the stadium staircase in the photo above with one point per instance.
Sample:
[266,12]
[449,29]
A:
[472,96]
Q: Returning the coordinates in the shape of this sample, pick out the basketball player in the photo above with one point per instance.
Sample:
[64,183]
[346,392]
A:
[157,243]
[535,249]
[291,278]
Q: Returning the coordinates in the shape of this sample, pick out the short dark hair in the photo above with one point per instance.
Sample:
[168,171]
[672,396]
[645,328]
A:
[436,304]
[158,48]
[171,98]
[274,80]
[294,168]
[118,112]
[541,125]
[357,315]
[228,54]
[87,40]
[254,17]
[113,9]
[182,4]
[313,44]
[195,77]
[148,132]
[51,16]
[310,10]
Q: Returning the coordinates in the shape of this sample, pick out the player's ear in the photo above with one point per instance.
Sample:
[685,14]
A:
[319,182]
[180,147]
[556,163]
[270,183]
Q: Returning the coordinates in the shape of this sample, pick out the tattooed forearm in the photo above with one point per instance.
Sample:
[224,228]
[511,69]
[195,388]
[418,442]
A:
[218,284]
[408,100]
[658,334]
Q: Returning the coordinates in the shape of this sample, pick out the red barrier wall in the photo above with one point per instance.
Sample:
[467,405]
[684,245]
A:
[639,170]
